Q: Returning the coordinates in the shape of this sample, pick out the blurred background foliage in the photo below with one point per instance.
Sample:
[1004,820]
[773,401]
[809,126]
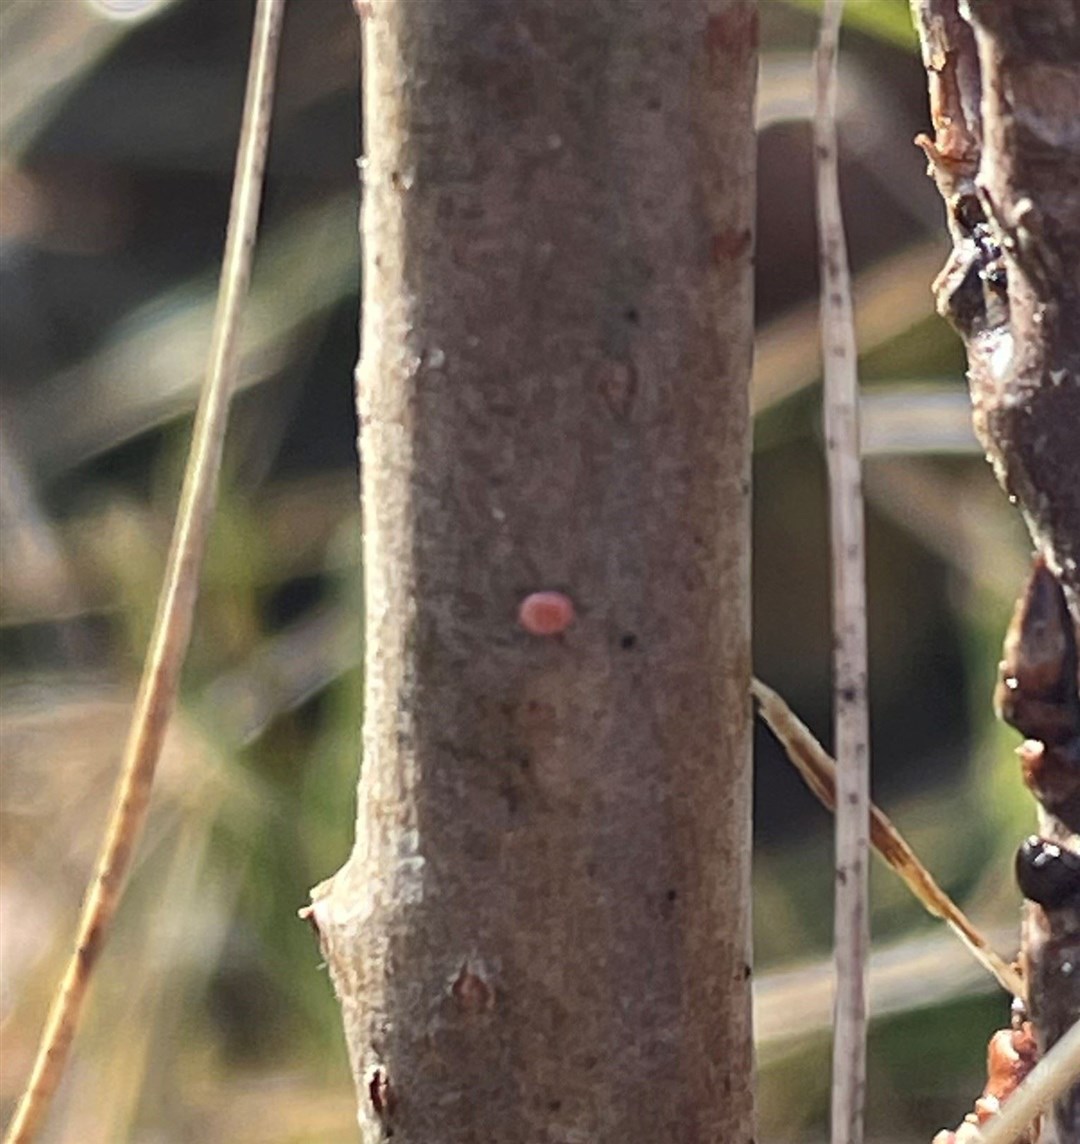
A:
[211,1019]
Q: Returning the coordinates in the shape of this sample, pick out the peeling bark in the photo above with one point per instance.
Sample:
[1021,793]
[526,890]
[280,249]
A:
[1005,102]
[542,932]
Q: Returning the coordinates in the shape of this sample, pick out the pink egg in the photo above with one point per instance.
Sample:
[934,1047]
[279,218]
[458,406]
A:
[546,613]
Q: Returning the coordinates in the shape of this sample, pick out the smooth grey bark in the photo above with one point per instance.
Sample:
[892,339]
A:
[1005,101]
[542,933]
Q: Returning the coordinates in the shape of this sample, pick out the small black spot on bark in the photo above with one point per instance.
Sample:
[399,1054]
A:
[628,641]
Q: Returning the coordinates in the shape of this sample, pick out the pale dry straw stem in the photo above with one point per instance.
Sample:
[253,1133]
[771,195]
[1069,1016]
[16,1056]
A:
[851,925]
[1053,1076]
[172,624]
[818,771]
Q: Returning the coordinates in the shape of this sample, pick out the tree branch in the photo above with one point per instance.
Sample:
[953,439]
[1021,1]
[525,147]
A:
[1009,173]
[542,932]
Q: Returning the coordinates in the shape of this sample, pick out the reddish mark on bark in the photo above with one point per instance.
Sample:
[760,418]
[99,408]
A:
[538,714]
[730,35]
[617,383]
[363,9]
[546,613]
[382,1096]
[730,244]
[472,993]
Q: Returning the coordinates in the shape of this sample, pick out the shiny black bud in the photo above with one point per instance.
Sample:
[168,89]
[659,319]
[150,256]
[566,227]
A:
[1048,874]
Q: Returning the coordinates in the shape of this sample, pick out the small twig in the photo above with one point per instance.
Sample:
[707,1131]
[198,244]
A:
[1053,1076]
[851,925]
[818,771]
[172,625]
[951,60]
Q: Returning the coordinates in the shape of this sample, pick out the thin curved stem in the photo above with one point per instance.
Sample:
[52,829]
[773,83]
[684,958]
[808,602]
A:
[172,625]
[818,770]
[851,927]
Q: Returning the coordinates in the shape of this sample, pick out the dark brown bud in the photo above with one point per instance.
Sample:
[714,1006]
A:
[1037,688]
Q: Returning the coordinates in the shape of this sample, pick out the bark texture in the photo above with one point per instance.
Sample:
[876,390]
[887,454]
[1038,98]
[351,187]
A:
[1005,101]
[542,933]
